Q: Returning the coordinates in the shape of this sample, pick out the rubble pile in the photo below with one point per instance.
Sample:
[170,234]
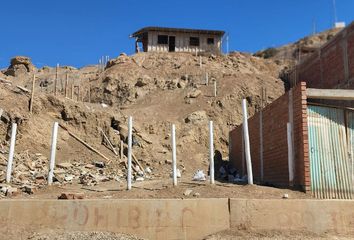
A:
[30,172]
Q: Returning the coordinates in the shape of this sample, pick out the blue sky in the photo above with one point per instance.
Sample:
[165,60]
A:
[78,32]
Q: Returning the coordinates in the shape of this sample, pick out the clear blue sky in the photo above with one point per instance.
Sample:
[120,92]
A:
[78,32]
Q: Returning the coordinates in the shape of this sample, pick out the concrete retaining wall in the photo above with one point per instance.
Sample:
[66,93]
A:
[319,216]
[174,219]
[152,219]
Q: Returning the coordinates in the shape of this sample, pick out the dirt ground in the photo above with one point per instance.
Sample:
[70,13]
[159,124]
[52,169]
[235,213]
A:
[273,235]
[163,189]
[225,235]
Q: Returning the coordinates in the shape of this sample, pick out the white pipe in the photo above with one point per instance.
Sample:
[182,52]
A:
[11,152]
[211,152]
[215,88]
[247,142]
[174,158]
[129,174]
[290,153]
[53,153]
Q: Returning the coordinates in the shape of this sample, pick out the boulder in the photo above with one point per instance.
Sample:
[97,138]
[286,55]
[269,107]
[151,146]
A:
[20,65]
[197,117]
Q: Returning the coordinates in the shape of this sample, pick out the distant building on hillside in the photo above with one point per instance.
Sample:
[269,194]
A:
[160,39]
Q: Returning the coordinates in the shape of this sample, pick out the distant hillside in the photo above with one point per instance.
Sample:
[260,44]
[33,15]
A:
[298,50]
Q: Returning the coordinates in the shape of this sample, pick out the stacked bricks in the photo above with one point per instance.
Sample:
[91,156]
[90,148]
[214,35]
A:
[331,66]
[275,149]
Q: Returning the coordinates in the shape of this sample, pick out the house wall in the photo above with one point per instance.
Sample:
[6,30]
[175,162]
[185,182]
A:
[182,42]
[291,107]
[332,66]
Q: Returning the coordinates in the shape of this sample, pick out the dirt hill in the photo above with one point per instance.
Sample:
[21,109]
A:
[156,89]
[290,53]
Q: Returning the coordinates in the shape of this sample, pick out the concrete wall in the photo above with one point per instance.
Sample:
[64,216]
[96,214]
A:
[152,219]
[271,165]
[332,66]
[182,42]
[174,218]
[318,216]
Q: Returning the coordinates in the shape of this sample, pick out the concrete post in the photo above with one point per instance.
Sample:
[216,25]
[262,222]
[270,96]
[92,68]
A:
[211,152]
[290,153]
[129,173]
[247,142]
[53,153]
[11,152]
[174,158]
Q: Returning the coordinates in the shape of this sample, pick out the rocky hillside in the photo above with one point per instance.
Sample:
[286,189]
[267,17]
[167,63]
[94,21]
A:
[156,89]
[290,53]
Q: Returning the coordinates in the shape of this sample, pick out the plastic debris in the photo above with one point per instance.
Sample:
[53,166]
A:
[199,175]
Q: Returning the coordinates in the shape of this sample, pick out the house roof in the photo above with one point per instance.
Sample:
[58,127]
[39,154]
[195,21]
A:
[180,30]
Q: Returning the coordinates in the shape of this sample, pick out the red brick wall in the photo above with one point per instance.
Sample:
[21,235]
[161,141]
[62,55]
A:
[275,148]
[332,66]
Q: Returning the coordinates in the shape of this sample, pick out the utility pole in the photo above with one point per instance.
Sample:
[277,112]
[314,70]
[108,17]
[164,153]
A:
[335,12]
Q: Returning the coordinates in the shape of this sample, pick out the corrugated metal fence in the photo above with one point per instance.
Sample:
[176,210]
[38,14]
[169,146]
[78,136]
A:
[331,140]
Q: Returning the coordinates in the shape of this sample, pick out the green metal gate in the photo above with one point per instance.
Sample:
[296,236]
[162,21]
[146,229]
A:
[351,140]
[330,147]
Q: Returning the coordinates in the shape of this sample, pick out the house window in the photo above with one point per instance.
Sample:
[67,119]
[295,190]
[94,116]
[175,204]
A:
[194,41]
[210,41]
[162,39]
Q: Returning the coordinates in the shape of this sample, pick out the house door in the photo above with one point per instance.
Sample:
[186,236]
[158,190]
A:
[329,151]
[171,43]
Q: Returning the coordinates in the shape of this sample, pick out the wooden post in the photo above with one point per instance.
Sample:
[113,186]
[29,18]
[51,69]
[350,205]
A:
[211,152]
[130,139]
[78,93]
[72,91]
[206,79]
[261,135]
[121,149]
[109,143]
[66,84]
[53,153]
[247,142]
[11,152]
[32,94]
[56,79]
[89,94]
